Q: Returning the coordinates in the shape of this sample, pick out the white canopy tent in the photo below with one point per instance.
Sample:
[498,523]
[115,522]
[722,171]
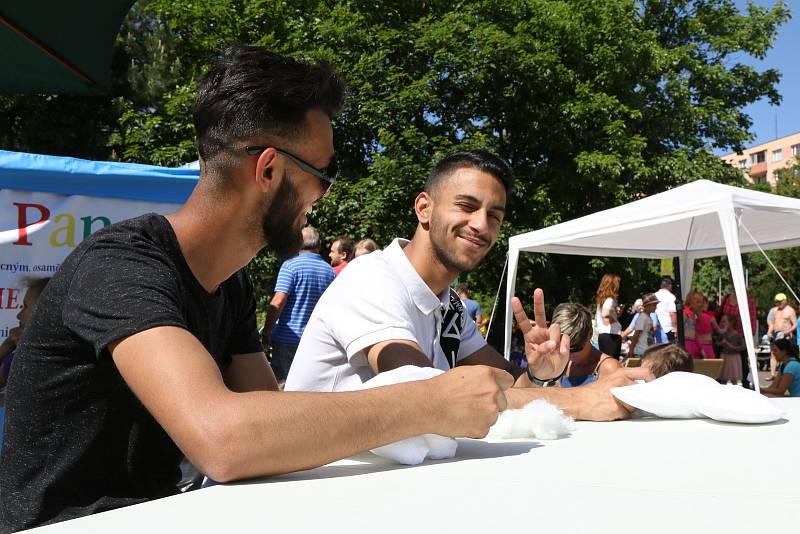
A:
[697,220]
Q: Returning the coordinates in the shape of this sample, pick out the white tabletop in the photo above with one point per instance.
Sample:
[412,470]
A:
[643,475]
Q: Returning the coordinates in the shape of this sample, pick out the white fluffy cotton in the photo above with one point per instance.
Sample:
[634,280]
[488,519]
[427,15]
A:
[537,419]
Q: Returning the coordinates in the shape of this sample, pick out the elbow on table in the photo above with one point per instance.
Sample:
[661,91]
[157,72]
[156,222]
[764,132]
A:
[212,449]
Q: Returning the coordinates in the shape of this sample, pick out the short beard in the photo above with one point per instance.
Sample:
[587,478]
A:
[444,256]
[278,221]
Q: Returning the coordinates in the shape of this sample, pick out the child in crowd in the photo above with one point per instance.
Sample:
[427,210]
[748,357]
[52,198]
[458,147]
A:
[666,358]
[34,287]
[731,344]
[643,328]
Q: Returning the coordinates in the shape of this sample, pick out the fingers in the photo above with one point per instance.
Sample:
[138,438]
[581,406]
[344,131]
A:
[625,376]
[557,340]
[502,378]
[520,315]
[538,307]
[638,373]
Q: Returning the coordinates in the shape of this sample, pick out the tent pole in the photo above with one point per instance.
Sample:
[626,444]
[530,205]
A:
[676,290]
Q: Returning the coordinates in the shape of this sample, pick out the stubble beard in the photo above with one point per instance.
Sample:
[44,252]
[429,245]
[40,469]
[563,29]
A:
[278,222]
[447,256]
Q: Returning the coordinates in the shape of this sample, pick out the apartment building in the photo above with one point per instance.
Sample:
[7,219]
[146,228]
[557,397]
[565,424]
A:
[760,162]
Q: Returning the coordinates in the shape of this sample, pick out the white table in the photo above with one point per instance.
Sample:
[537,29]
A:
[646,475]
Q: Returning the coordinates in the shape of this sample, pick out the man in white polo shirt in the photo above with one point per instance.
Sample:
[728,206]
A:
[395,307]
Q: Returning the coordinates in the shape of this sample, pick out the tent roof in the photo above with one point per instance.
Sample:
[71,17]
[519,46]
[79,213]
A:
[681,221]
[72,176]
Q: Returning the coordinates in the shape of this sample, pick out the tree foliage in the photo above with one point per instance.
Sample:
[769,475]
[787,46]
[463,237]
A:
[593,103]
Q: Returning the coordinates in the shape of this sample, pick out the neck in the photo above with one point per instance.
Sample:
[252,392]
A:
[423,258]
[215,239]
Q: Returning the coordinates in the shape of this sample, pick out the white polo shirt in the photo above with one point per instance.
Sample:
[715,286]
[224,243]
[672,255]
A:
[378,297]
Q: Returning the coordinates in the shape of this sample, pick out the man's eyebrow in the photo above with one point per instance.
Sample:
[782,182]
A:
[470,198]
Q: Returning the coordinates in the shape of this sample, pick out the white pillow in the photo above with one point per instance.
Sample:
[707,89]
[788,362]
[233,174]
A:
[414,450]
[736,404]
[682,395]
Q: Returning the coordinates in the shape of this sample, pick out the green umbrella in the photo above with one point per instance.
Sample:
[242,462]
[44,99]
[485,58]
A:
[58,46]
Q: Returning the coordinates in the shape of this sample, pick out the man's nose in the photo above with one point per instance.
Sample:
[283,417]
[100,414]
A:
[479,220]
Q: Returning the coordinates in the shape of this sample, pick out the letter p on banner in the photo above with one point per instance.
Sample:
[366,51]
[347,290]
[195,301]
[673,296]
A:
[22,220]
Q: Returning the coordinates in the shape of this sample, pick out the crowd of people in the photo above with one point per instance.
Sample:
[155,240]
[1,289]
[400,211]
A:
[712,329]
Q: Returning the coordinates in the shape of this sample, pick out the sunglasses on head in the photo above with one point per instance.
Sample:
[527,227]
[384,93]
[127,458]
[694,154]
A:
[326,176]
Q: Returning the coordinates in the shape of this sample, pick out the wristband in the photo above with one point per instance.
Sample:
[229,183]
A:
[545,383]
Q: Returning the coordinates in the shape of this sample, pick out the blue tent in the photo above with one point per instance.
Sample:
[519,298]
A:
[72,176]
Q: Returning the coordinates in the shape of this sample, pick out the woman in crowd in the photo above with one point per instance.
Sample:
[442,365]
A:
[609,339]
[731,343]
[730,305]
[788,371]
[365,246]
[586,363]
[698,327]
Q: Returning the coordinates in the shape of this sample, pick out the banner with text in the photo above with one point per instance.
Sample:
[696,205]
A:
[39,230]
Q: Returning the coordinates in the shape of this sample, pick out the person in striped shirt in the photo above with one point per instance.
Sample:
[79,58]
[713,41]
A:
[301,282]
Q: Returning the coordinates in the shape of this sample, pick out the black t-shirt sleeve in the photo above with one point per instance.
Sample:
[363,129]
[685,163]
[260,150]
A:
[244,338]
[119,289]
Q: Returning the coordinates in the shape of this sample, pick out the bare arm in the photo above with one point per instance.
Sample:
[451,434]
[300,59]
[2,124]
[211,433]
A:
[673,317]
[628,331]
[250,372]
[394,353]
[608,367]
[230,435]
[487,355]
[273,312]
[779,390]
[792,320]
[593,402]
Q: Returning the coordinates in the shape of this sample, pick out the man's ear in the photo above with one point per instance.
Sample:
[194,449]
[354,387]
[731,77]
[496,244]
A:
[266,169]
[423,206]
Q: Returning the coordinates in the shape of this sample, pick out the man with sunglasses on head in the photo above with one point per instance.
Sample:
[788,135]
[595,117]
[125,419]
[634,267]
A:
[395,307]
[144,347]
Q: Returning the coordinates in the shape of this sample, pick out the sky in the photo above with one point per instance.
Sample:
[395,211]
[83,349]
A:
[785,57]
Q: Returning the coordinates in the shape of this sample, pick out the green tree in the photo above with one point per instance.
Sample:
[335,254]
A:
[593,103]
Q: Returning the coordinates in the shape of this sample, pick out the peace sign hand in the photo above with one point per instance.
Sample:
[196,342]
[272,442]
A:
[546,349]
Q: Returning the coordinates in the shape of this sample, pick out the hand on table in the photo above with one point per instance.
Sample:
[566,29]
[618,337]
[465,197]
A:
[468,399]
[547,351]
[598,404]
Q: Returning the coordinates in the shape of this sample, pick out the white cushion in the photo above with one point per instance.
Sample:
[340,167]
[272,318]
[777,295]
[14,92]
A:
[682,395]
[414,450]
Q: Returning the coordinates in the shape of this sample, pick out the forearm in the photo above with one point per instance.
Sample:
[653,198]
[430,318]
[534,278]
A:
[567,399]
[272,316]
[270,433]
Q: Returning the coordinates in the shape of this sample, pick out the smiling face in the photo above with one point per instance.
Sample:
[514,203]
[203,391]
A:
[464,218]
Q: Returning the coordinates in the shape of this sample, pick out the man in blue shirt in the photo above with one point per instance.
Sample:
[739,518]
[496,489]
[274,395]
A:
[301,282]
[472,306]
